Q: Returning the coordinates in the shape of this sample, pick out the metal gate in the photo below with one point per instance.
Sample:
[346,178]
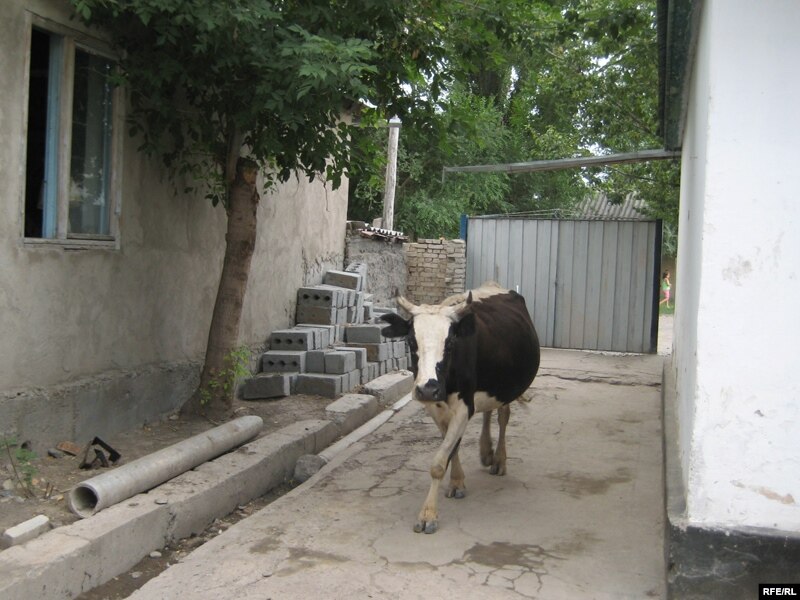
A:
[588,284]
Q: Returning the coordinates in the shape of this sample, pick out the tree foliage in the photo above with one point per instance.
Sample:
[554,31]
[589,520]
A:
[532,80]
[223,91]
[276,76]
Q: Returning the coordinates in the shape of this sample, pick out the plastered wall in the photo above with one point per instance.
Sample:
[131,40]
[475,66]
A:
[93,341]
[735,359]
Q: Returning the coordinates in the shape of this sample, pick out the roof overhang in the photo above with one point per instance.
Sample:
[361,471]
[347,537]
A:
[678,25]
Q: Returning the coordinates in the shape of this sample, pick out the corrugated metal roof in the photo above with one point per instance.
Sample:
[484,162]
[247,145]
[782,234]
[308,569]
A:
[600,208]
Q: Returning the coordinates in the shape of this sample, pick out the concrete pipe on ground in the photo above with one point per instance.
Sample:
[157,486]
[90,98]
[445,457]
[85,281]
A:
[145,473]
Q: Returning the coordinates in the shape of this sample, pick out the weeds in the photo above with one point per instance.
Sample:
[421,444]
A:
[236,367]
[21,463]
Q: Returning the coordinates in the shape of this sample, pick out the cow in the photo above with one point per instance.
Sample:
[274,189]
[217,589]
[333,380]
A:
[474,352]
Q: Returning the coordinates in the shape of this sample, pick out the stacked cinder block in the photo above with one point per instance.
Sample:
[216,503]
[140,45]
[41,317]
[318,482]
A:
[331,350]
[436,269]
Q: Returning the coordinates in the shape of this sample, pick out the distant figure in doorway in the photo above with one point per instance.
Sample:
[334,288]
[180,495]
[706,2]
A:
[665,288]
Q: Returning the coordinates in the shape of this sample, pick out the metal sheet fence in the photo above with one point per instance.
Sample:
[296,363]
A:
[590,285]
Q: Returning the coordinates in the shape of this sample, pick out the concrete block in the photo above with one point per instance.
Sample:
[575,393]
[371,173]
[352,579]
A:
[27,530]
[361,355]
[355,379]
[292,339]
[351,411]
[319,296]
[283,361]
[316,315]
[340,361]
[353,281]
[319,333]
[328,386]
[365,334]
[390,388]
[272,385]
[375,352]
[399,348]
[325,333]
[315,361]
[358,267]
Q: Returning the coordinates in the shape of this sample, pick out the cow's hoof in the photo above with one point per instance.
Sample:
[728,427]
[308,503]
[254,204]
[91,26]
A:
[427,527]
[456,493]
[487,459]
[498,470]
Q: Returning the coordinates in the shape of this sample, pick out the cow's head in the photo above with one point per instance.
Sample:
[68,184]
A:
[433,332]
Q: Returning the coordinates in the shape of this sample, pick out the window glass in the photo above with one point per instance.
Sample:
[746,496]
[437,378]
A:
[68,194]
[90,161]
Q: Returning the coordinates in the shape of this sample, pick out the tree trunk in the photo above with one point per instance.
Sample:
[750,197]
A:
[214,396]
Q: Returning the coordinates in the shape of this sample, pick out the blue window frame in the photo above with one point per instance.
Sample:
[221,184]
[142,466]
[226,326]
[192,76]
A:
[70,185]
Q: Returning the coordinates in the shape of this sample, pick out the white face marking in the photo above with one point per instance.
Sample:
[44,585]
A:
[431,332]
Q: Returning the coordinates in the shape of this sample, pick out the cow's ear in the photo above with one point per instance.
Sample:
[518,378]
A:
[398,326]
[465,326]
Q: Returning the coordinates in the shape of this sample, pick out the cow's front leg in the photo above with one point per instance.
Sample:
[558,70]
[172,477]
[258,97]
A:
[454,426]
[499,463]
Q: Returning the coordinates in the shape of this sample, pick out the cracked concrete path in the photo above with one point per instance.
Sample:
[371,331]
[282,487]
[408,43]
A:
[579,514]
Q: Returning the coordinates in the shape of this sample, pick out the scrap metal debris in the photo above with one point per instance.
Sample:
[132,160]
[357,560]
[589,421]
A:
[99,459]
[383,234]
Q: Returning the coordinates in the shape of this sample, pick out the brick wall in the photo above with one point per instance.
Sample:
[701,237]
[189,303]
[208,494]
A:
[436,269]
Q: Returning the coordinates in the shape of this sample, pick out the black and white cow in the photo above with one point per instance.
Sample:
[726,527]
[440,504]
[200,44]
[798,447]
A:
[475,352]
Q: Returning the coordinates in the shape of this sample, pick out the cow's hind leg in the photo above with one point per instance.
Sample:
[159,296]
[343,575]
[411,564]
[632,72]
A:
[487,454]
[499,462]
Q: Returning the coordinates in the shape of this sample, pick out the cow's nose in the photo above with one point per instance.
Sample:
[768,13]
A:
[428,391]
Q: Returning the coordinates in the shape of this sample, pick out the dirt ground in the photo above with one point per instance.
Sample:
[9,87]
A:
[52,478]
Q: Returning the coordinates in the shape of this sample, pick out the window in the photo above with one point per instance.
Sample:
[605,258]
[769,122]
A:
[69,179]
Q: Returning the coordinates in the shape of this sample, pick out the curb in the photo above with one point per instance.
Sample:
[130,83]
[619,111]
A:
[73,559]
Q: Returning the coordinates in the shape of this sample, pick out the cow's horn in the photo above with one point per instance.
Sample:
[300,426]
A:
[406,305]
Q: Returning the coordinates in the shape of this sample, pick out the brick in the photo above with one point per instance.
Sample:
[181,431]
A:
[366,334]
[291,339]
[32,528]
[270,385]
[353,281]
[329,386]
[277,361]
[340,361]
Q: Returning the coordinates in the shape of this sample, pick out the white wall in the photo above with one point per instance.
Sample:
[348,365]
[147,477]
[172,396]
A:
[738,306]
[103,320]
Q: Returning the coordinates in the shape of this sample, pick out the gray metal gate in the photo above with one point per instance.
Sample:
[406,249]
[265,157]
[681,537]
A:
[588,284]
